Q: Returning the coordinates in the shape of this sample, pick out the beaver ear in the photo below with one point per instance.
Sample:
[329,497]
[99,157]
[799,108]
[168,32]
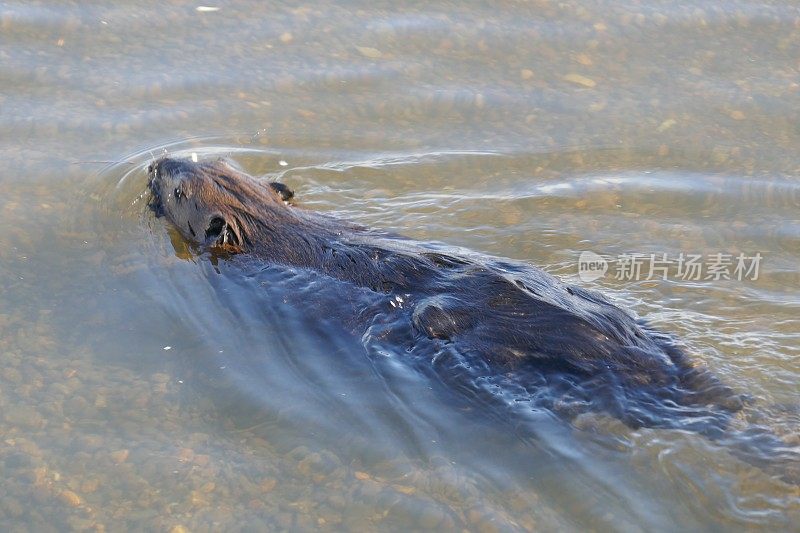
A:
[219,233]
[283,191]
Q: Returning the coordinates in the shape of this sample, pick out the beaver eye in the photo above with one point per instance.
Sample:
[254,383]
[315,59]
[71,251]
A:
[179,194]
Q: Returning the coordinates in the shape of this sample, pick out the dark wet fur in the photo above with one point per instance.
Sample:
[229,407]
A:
[490,328]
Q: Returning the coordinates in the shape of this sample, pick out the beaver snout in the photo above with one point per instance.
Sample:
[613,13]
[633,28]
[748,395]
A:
[156,203]
[169,167]
[168,173]
[165,174]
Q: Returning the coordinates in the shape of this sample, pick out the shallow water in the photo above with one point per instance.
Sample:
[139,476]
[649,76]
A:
[141,388]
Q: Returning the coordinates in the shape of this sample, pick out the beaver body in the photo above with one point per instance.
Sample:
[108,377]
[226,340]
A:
[495,321]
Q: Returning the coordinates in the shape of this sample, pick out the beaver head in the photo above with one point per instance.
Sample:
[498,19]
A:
[213,204]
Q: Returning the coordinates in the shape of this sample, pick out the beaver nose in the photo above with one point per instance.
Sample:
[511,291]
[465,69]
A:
[171,167]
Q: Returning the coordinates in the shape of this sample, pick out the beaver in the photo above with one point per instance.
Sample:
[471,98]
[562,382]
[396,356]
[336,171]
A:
[495,321]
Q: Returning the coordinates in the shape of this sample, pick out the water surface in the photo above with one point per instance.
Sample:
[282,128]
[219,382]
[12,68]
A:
[141,388]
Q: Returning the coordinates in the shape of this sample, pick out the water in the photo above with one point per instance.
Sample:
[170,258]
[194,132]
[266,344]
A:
[142,388]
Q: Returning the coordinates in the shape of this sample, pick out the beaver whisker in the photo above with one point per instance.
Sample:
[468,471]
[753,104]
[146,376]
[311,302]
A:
[96,162]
